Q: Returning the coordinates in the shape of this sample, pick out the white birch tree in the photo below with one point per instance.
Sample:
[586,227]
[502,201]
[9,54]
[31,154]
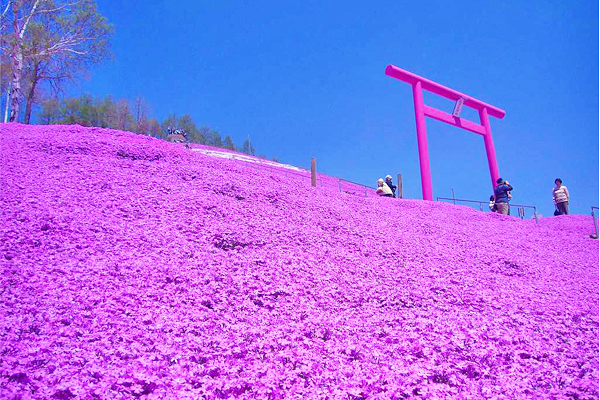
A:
[56,40]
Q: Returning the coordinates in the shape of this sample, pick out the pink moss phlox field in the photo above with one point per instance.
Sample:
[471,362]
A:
[132,268]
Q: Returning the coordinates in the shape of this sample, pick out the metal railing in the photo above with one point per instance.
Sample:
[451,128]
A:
[304,177]
[297,174]
[520,207]
[595,221]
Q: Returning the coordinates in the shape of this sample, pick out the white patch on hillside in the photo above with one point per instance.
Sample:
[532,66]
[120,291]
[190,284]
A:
[246,158]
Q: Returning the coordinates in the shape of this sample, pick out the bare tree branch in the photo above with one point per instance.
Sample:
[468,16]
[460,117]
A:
[75,51]
[6,9]
[2,19]
[58,8]
[29,16]
[66,44]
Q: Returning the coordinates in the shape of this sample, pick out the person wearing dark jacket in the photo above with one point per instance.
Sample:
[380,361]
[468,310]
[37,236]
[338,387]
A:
[388,181]
[502,196]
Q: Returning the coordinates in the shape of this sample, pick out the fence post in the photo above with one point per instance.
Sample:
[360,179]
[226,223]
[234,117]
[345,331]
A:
[453,198]
[595,221]
[535,215]
[313,172]
[521,212]
[340,185]
[400,186]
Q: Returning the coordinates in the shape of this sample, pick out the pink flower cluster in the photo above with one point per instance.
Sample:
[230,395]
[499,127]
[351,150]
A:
[132,268]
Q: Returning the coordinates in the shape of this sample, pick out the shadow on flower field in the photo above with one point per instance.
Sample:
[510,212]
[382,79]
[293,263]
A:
[132,268]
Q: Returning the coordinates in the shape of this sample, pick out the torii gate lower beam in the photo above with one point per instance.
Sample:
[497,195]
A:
[421,111]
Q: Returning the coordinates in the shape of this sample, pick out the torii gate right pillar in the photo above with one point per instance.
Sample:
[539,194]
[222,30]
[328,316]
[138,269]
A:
[489,146]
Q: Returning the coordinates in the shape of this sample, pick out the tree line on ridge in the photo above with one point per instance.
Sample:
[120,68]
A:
[133,116]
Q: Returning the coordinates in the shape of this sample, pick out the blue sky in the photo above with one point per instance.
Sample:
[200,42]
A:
[306,79]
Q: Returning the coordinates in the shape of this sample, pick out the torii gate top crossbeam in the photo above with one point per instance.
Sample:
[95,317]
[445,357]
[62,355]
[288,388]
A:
[442,90]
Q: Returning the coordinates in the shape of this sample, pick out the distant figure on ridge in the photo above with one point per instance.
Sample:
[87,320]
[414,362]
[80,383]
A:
[560,194]
[178,136]
[388,181]
[502,196]
[383,189]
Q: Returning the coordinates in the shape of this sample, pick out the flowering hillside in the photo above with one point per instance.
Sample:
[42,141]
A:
[132,268]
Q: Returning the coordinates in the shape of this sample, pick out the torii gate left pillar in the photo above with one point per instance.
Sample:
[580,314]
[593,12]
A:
[421,111]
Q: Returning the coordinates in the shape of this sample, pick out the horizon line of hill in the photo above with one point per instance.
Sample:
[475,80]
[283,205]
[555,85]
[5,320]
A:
[134,116]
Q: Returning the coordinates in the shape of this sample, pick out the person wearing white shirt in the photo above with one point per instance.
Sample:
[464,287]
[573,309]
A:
[560,195]
[383,189]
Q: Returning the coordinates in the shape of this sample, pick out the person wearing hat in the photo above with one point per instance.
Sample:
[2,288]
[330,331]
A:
[383,189]
[502,196]
[388,181]
[560,194]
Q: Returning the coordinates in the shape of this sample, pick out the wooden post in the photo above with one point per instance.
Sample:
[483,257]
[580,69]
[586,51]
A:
[313,172]
[399,186]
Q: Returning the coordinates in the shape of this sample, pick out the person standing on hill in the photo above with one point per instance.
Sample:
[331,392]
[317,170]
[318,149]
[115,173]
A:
[560,194]
[501,194]
[388,181]
[493,207]
[383,189]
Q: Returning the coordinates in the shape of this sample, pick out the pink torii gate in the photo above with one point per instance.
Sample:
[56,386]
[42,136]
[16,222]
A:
[421,111]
